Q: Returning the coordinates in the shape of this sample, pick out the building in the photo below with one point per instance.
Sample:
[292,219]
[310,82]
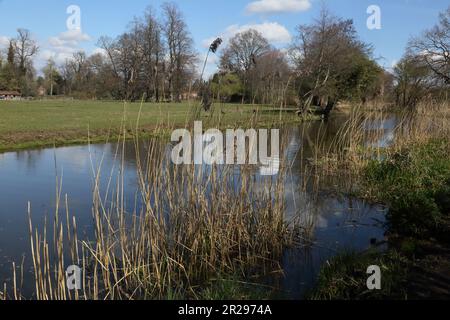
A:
[9,95]
[189,96]
[41,91]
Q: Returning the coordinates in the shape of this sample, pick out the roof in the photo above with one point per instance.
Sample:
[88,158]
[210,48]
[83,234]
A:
[9,93]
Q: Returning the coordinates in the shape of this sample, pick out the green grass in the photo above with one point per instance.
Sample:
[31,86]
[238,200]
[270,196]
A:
[345,277]
[26,124]
[415,183]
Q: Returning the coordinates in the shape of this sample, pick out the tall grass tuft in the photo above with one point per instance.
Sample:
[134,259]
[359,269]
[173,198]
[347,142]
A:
[189,225]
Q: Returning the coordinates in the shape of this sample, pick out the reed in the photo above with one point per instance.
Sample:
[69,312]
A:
[189,225]
[358,141]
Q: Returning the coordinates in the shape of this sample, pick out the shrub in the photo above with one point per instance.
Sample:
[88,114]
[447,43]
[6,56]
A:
[414,214]
[415,183]
[442,198]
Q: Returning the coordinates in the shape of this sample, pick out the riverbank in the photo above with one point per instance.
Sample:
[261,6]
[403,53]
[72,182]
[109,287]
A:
[413,178]
[38,124]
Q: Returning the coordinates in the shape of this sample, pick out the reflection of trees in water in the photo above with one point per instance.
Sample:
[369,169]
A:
[29,158]
[380,131]
[311,194]
[292,139]
[130,152]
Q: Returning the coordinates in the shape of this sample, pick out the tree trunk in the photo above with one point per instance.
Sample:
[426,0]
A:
[330,106]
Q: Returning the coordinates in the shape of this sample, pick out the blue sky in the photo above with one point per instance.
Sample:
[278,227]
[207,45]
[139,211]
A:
[207,19]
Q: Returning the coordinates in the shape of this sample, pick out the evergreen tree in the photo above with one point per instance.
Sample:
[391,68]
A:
[11,54]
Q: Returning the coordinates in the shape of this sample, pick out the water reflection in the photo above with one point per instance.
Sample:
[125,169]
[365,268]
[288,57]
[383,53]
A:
[383,130]
[333,223]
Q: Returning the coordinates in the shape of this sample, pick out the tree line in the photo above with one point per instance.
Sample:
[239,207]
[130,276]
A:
[155,59]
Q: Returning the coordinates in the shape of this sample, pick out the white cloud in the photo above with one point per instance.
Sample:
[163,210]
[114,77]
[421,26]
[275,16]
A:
[61,47]
[59,57]
[70,38]
[4,42]
[100,51]
[274,32]
[278,6]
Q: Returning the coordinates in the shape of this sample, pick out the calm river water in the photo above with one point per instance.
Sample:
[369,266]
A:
[338,223]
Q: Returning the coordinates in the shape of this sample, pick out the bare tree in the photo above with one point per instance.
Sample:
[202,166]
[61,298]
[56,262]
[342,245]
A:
[109,47]
[413,81]
[125,55]
[181,54]
[130,46]
[153,54]
[271,77]
[433,47]
[25,48]
[49,73]
[143,61]
[243,51]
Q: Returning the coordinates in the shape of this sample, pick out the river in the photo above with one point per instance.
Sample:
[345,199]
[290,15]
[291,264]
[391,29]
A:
[337,222]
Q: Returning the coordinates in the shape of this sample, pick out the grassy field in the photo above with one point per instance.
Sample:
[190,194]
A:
[27,124]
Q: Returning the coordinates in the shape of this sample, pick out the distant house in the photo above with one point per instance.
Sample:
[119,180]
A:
[189,96]
[9,95]
[41,91]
